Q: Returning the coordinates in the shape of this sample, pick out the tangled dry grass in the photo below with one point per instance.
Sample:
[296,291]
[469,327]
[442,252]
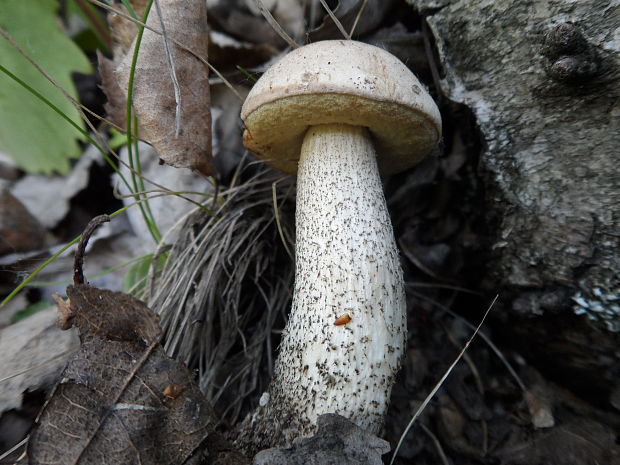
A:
[227,282]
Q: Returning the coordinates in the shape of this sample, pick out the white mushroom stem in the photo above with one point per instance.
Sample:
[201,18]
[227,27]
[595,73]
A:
[346,264]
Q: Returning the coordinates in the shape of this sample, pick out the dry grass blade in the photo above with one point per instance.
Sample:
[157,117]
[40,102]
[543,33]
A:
[335,20]
[276,208]
[484,337]
[274,24]
[222,289]
[357,17]
[436,443]
[21,443]
[440,382]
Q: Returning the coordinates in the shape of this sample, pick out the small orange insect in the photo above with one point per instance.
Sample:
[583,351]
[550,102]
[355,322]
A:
[342,320]
[173,391]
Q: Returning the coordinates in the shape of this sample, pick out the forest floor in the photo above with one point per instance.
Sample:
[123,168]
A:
[497,406]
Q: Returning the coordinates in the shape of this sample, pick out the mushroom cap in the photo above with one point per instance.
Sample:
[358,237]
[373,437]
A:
[340,81]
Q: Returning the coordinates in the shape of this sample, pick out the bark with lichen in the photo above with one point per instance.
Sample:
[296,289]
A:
[543,86]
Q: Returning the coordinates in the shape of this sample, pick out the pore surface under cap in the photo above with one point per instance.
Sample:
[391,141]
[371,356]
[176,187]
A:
[340,82]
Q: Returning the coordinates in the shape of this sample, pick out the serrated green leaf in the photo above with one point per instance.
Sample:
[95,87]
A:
[30,132]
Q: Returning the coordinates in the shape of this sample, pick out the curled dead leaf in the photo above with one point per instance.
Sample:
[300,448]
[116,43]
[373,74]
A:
[171,85]
[114,390]
[120,399]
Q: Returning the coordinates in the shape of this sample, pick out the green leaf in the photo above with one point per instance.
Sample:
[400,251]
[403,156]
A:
[30,132]
[117,139]
[94,35]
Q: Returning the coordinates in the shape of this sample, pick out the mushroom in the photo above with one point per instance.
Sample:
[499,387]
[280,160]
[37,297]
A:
[336,113]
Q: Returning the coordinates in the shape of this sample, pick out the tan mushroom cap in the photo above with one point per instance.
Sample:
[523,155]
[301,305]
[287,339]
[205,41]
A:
[340,81]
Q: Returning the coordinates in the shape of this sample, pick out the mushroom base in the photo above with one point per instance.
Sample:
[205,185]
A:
[345,337]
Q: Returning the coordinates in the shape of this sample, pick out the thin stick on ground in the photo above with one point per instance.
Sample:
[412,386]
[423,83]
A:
[484,337]
[357,17]
[78,261]
[437,444]
[428,398]
[173,72]
[336,21]
[274,24]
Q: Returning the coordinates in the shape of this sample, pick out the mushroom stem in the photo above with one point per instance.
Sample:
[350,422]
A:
[346,334]
[346,263]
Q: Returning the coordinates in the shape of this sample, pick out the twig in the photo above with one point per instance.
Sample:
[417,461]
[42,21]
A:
[173,72]
[357,17]
[14,448]
[274,24]
[78,261]
[276,209]
[435,440]
[440,382]
[335,20]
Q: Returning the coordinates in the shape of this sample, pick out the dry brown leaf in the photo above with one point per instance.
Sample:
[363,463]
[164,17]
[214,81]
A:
[121,400]
[154,100]
[116,106]
[19,230]
[113,403]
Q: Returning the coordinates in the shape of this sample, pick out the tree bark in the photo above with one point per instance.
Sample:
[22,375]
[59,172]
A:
[541,79]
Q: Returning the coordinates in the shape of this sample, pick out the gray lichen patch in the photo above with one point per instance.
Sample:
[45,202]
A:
[548,163]
[601,306]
